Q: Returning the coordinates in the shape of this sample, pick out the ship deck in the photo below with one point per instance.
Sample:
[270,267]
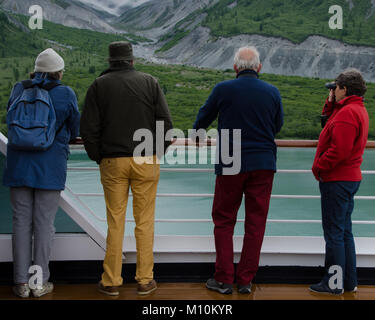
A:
[193,291]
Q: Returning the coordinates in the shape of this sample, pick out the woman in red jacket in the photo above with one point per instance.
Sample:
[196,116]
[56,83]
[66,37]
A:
[337,168]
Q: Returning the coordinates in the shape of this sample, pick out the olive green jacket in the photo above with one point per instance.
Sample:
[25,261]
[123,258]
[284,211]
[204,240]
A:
[118,103]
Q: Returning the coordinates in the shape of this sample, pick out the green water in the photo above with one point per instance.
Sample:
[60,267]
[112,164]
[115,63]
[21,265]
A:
[200,207]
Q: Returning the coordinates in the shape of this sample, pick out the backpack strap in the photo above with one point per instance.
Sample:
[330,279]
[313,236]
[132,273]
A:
[27,84]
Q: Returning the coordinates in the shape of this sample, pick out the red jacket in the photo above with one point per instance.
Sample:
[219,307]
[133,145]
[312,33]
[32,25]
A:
[342,141]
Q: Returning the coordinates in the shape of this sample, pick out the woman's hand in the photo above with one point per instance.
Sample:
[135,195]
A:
[331,95]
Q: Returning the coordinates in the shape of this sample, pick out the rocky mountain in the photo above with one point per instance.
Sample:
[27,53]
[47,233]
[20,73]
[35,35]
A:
[155,18]
[184,38]
[66,12]
[206,33]
[315,57]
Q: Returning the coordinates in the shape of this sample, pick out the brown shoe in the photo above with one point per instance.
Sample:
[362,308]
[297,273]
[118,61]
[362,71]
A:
[111,291]
[144,289]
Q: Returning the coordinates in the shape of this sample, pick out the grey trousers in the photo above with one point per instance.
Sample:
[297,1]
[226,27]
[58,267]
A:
[34,212]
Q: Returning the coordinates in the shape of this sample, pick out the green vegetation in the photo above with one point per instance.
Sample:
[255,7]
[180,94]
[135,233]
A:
[80,39]
[186,88]
[127,20]
[292,19]
[172,39]
[135,39]
[11,37]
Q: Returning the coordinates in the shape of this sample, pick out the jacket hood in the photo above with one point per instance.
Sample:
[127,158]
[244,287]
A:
[42,77]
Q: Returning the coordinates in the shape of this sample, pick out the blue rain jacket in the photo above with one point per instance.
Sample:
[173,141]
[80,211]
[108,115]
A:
[45,169]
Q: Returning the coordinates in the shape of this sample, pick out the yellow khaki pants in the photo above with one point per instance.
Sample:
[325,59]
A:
[117,175]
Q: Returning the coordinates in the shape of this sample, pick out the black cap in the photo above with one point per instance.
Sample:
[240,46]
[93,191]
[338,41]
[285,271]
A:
[120,51]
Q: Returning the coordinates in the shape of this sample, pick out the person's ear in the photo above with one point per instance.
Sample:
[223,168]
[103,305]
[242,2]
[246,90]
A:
[235,68]
[259,68]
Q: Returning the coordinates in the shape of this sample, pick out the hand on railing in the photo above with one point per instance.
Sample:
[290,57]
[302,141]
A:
[76,141]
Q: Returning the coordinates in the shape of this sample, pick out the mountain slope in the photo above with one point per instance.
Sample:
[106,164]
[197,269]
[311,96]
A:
[156,18]
[314,57]
[293,36]
[66,12]
[114,7]
[186,88]
[16,40]
[293,19]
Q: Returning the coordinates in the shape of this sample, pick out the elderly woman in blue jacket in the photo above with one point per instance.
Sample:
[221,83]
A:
[36,178]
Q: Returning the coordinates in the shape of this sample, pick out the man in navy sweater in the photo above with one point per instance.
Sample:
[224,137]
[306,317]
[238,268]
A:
[253,108]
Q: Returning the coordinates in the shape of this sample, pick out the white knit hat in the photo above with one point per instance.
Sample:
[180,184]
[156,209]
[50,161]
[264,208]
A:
[49,61]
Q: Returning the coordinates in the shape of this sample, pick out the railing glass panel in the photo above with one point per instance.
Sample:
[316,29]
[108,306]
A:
[184,215]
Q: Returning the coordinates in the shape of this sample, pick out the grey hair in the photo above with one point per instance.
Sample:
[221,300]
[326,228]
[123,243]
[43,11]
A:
[243,64]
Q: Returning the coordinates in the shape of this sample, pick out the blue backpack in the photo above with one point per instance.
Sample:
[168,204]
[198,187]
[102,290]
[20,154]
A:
[31,118]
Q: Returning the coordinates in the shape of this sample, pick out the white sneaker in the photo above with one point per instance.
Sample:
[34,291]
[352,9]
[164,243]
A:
[44,289]
[22,290]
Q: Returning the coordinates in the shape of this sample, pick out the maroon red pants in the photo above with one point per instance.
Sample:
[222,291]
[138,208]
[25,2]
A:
[229,190]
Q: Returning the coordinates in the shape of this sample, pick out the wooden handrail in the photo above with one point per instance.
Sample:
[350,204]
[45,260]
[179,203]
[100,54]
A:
[279,143]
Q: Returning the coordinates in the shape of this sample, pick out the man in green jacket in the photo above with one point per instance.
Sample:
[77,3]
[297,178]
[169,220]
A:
[119,104]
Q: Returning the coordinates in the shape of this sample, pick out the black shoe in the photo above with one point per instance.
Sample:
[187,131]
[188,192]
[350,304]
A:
[323,288]
[244,289]
[225,288]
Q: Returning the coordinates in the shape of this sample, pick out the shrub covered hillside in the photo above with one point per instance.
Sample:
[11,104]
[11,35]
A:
[293,19]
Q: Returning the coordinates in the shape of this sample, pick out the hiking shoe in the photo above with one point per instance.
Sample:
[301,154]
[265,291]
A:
[244,289]
[224,288]
[44,289]
[108,290]
[22,290]
[323,288]
[144,289]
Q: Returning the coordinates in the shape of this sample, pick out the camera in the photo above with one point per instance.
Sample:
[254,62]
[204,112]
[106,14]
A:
[331,85]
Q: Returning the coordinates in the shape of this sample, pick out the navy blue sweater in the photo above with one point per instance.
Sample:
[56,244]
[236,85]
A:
[254,107]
